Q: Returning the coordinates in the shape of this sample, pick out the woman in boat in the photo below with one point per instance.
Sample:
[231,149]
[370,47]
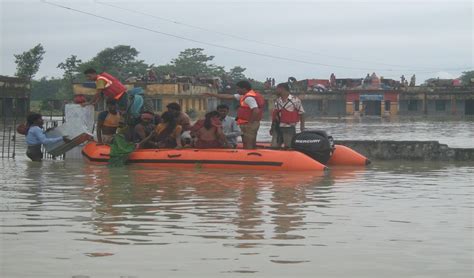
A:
[208,132]
[167,135]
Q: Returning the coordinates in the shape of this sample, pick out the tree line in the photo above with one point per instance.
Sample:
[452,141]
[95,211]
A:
[121,61]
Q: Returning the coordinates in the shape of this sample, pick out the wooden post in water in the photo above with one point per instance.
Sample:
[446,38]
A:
[4,127]
[9,140]
[15,115]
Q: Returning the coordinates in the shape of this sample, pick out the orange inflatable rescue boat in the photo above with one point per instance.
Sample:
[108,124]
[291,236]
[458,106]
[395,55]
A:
[259,159]
[312,151]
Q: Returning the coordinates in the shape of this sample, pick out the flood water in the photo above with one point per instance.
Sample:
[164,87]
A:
[391,219]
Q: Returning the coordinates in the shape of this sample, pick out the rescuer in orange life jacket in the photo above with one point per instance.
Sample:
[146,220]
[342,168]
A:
[249,113]
[108,87]
[287,112]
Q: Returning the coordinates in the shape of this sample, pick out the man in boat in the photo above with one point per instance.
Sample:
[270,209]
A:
[229,126]
[107,123]
[250,111]
[288,111]
[182,118]
[108,87]
[208,132]
[144,128]
[130,102]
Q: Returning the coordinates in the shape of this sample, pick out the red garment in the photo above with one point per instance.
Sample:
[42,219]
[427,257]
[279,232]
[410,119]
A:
[285,116]
[244,112]
[113,88]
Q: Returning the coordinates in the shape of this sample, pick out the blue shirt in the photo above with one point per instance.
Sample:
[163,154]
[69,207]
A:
[231,130]
[36,136]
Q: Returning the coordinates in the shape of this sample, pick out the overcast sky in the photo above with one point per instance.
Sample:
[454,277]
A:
[429,38]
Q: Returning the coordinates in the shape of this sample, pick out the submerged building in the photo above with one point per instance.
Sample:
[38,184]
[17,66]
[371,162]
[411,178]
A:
[350,97]
[389,103]
[383,97]
[14,97]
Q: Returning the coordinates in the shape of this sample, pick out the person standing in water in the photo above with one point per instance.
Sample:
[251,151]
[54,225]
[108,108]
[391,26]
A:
[35,137]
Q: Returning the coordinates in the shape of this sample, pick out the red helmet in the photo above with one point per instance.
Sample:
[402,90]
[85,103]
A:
[78,99]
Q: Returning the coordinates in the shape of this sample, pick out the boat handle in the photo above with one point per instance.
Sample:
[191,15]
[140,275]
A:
[173,155]
[104,154]
[254,153]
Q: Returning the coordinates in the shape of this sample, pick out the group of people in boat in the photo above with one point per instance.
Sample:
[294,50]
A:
[129,113]
[171,129]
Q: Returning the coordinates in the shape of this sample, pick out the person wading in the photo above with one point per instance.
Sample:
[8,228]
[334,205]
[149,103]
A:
[287,113]
[107,123]
[250,111]
[35,137]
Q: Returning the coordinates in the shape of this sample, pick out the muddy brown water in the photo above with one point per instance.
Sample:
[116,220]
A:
[391,219]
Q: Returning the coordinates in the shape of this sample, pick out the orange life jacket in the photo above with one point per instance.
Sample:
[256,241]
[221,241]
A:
[244,113]
[285,116]
[113,87]
[112,120]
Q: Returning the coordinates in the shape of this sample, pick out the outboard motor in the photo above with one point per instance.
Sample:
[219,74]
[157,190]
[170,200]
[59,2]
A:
[315,144]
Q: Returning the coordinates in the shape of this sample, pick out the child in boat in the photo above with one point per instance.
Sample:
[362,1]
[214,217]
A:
[208,132]
[167,135]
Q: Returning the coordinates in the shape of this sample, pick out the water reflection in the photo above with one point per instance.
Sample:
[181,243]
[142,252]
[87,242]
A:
[131,202]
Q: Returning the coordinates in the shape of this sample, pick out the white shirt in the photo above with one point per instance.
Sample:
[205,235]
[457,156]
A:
[231,130]
[250,101]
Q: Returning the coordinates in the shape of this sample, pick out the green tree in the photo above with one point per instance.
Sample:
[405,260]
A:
[164,69]
[193,61]
[28,62]
[45,88]
[467,78]
[120,61]
[237,73]
[71,70]
[70,67]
